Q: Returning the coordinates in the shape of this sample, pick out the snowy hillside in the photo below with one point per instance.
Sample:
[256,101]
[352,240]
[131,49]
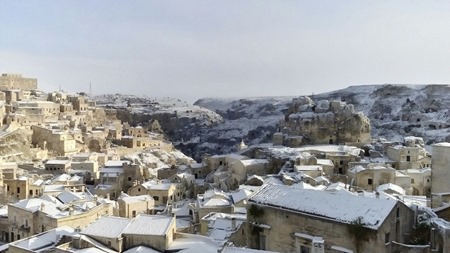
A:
[150,106]
[217,125]
[394,110]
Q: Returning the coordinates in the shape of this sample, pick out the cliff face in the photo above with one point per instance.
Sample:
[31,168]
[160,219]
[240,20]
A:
[217,125]
[322,122]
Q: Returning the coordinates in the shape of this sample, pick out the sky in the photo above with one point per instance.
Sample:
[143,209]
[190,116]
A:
[190,49]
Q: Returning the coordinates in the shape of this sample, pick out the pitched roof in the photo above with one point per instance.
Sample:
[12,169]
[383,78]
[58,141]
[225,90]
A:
[109,227]
[337,205]
[145,224]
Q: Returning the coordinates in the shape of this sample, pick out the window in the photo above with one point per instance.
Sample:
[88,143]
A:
[398,213]
[139,189]
[386,238]
[341,162]
[129,178]
[408,158]
[369,181]
[134,213]
[412,180]
[18,189]
[156,198]
[31,192]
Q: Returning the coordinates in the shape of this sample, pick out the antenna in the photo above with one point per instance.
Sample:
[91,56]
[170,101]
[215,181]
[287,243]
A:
[90,88]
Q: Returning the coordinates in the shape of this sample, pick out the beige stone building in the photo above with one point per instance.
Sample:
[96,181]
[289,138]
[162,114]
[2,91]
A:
[440,172]
[370,177]
[131,206]
[24,187]
[163,192]
[287,219]
[17,81]
[56,140]
[409,157]
[120,234]
[32,216]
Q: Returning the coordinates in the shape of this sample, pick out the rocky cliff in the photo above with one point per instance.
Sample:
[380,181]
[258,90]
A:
[217,125]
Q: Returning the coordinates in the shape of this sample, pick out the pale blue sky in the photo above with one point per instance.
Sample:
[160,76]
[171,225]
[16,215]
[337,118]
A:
[192,49]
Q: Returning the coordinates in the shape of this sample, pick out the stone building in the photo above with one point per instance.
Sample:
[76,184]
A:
[288,219]
[56,140]
[163,192]
[131,206]
[440,172]
[409,157]
[32,216]
[17,81]
[121,234]
[324,122]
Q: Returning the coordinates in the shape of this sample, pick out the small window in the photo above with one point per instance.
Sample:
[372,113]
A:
[341,162]
[398,213]
[412,180]
[18,189]
[129,178]
[369,181]
[134,213]
[428,180]
[386,238]
[139,189]
[156,198]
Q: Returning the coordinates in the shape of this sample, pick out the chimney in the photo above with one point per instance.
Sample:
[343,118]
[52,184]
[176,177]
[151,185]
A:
[377,195]
[108,197]
[233,223]
[42,208]
[70,211]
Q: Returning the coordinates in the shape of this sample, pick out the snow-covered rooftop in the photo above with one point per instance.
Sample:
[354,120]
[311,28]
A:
[145,224]
[107,226]
[336,205]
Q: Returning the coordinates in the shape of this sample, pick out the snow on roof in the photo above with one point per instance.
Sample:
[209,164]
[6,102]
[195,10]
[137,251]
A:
[145,224]
[141,249]
[241,194]
[254,161]
[187,243]
[155,185]
[229,249]
[106,226]
[442,144]
[340,206]
[236,156]
[136,199]
[196,165]
[33,204]
[392,187]
[308,168]
[325,162]
[53,188]
[116,163]
[59,162]
[42,242]
[343,149]
[68,196]
[62,178]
